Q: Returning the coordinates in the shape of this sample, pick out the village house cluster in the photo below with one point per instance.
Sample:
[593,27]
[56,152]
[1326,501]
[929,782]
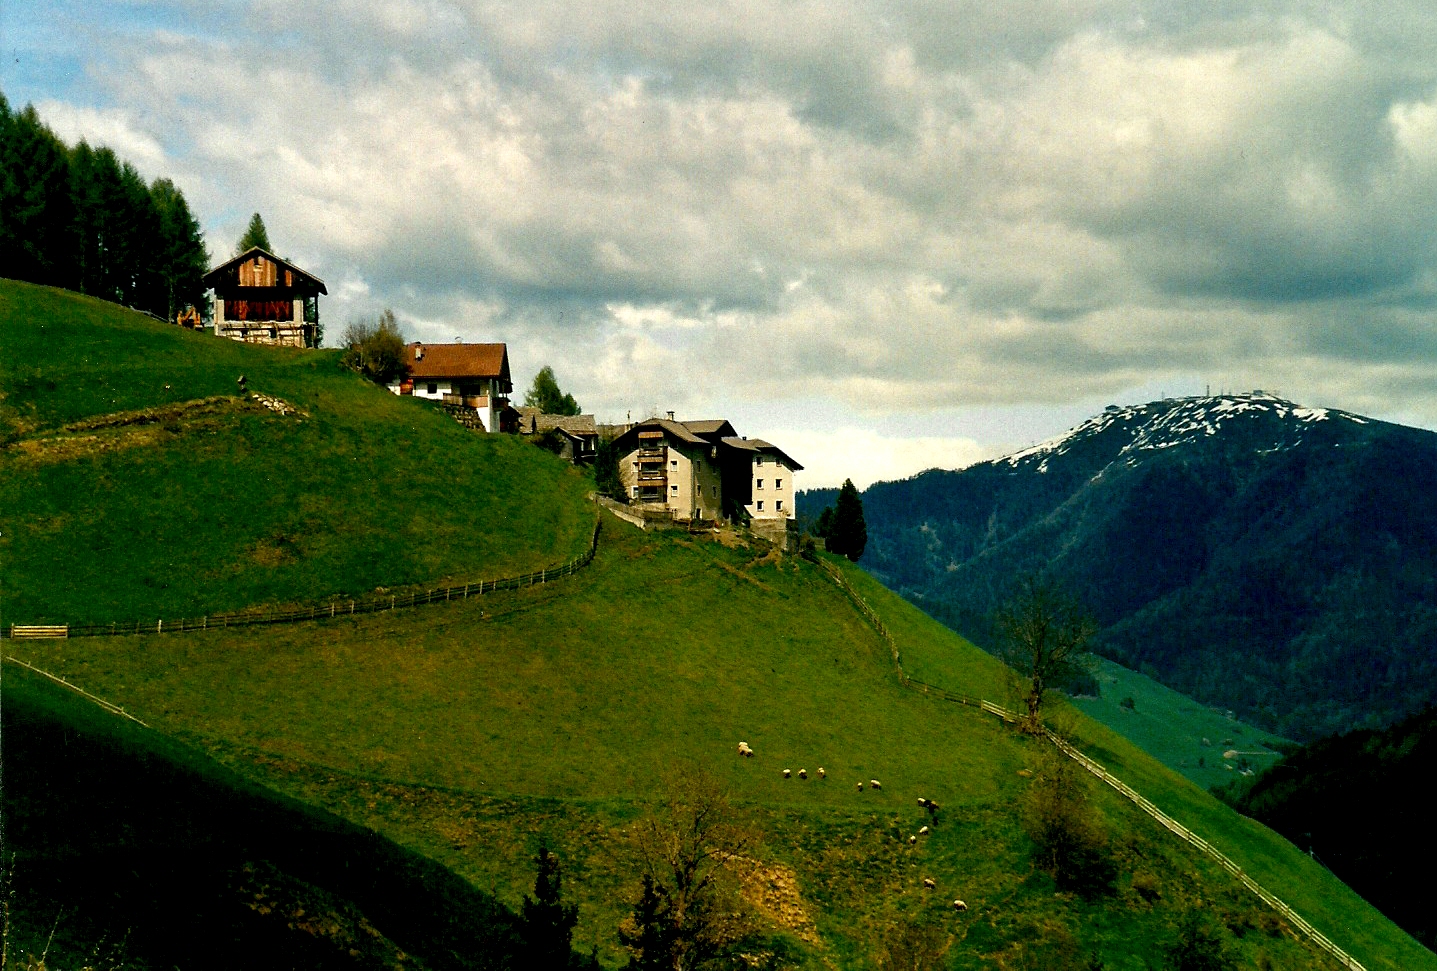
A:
[691,470]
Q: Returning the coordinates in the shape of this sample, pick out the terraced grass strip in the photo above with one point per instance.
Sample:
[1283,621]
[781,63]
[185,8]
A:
[328,610]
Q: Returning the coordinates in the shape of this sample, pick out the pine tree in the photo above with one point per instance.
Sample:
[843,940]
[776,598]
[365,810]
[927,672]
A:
[254,235]
[847,532]
[646,933]
[182,259]
[548,923]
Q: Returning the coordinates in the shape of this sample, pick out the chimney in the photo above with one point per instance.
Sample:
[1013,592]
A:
[671,416]
[419,352]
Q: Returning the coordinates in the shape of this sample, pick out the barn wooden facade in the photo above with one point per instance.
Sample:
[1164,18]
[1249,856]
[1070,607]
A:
[262,299]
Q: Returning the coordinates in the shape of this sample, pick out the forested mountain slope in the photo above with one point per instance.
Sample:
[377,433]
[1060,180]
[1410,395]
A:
[1276,560]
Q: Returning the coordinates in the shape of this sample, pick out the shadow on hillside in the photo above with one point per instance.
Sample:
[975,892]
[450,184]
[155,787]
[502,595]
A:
[136,849]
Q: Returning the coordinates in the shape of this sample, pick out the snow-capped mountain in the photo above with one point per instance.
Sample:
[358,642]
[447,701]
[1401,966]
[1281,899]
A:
[1179,421]
[1274,559]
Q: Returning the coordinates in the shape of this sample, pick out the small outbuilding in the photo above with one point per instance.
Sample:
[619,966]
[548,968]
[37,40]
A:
[262,299]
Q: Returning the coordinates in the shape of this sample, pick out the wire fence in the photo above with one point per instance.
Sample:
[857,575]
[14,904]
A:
[372,604]
[1093,766]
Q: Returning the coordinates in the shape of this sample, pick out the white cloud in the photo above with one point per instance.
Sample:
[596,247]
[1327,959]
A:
[905,210]
[866,457]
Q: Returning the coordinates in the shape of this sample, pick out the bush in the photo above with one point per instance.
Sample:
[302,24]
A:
[375,348]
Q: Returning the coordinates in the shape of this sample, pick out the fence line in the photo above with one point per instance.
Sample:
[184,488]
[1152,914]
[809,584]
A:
[334,608]
[1094,767]
[111,707]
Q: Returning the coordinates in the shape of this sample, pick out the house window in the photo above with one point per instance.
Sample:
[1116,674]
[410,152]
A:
[634,491]
[673,463]
[433,388]
[778,483]
[759,484]
[778,506]
[673,488]
[760,505]
[758,460]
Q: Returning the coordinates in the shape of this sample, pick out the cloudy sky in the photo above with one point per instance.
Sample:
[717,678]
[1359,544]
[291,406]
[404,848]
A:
[887,235]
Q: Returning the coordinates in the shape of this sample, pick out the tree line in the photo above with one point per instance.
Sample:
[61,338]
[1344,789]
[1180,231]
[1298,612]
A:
[85,220]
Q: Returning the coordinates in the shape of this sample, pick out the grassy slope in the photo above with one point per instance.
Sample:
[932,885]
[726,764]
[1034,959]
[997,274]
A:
[124,848]
[1171,727]
[206,512]
[1275,863]
[468,730]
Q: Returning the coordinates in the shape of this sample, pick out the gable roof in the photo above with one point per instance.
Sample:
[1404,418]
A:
[674,428]
[758,445]
[457,360]
[710,428]
[219,274]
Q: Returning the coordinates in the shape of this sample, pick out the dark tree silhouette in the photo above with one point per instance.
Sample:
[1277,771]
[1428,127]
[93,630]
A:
[847,532]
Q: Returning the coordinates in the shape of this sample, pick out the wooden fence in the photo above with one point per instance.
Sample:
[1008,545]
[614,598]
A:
[334,608]
[1092,766]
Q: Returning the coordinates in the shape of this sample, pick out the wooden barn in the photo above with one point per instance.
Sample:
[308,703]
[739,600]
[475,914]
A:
[262,299]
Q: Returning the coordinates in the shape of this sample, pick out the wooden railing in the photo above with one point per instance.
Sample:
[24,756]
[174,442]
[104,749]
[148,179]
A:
[1318,938]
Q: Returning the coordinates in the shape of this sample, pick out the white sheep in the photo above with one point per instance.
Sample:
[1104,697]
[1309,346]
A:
[959,906]
[912,840]
[803,773]
[860,787]
[821,773]
[923,831]
[929,883]
[873,783]
[744,750]
[786,773]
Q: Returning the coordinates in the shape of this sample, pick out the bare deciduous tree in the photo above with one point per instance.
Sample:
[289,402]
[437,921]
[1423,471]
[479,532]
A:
[1043,636]
[694,848]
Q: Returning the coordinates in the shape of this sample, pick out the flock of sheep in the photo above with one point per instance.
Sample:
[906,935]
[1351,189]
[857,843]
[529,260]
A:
[746,751]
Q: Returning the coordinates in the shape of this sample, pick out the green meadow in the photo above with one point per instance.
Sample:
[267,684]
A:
[467,732]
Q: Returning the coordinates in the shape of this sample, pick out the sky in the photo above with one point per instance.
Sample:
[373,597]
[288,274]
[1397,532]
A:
[885,235]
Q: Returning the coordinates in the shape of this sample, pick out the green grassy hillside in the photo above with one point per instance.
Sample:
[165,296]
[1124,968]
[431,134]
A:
[469,731]
[137,483]
[1184,734]
[126,849]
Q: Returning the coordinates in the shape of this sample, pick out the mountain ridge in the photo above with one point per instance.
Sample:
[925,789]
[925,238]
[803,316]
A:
[1246,550]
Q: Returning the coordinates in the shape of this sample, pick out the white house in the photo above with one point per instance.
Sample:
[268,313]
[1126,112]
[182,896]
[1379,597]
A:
[470,376]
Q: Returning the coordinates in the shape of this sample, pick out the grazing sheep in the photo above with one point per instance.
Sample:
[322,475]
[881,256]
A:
[821,773]
[860,787]
[744,750]
[786,773]
[929,883]
[873,784]
[923,831]
[803,773]
[959,906]
[912,840]
[923,802]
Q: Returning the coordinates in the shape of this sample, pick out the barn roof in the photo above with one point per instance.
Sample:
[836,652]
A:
[220,273]
[458,360]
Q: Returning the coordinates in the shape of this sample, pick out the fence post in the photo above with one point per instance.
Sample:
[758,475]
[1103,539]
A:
[159,627]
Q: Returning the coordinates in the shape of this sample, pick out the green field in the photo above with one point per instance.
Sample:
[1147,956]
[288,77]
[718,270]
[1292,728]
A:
[468,731]
[204,501]
[1183,734]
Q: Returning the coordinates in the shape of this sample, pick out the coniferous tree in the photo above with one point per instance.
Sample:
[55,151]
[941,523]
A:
[36,208]
[84,219]
[646,933]
[548,923]
[606,471]
[847,532]
[182,258]
[254,235]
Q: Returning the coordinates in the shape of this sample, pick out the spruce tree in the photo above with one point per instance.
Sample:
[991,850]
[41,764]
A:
[254,235]
[847,531]
[548,923]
